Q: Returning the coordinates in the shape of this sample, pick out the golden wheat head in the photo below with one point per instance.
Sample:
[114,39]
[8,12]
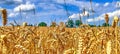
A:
[115,21]
[24,24]
[106,18]
[4,17]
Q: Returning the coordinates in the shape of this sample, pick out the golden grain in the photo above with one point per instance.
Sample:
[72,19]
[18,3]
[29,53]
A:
[50,40]
[4,17]
[109,47]
[115,22]
[106,18]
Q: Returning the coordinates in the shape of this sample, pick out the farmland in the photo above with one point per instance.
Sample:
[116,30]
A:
[59,26]
[59,40]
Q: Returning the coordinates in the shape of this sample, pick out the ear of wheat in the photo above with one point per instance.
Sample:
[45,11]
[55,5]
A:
[115,22]
[24,24]
[4,17]
[62,24]
[53,24]
[49,40]
[106,18]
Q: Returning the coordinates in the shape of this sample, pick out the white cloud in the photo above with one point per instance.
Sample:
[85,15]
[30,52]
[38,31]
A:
[12,14]
[106,4]
[52,9]
[86,13]
[74,16]
[24,7]
[97,4]
[90,20]
[77,15]
[101,17]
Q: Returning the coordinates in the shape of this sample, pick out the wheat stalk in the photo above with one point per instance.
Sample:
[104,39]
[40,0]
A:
[109,47]
[80,45]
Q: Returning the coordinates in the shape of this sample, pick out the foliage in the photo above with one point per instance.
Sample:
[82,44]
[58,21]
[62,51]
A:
[105,24]
[42,24]
[99,26]
[70,23]
[30,25]
[92,25]
[78,23]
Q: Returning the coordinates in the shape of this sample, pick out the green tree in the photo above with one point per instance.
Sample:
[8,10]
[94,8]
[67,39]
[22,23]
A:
[99,26]
[92,25]
[78,23]
[105,24]
[30,25]
[70,23]
[42,24]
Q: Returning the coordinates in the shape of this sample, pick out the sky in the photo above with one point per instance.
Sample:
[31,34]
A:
[36,11]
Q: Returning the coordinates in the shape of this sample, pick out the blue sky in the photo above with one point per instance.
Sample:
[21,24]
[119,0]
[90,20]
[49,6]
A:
[35,11]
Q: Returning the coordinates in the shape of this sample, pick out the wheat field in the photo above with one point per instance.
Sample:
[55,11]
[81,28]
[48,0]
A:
[59,40]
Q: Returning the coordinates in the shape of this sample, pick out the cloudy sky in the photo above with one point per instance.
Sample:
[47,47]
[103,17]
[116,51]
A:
[35,11]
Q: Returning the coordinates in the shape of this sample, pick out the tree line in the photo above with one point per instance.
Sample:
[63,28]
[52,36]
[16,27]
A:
[70,23]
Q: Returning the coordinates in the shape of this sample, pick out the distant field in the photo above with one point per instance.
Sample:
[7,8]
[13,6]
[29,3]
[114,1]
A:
[59,40]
